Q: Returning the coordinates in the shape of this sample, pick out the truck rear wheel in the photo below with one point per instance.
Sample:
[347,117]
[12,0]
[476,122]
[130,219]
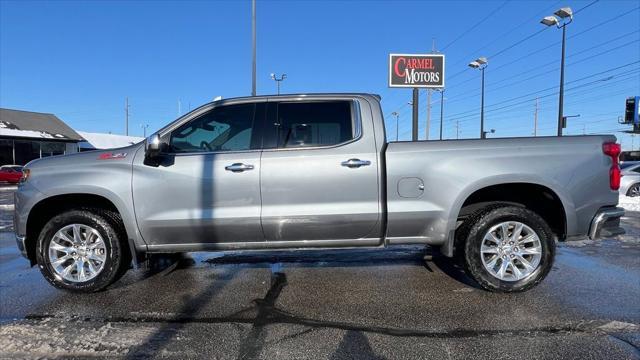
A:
[507,248]
[80,250]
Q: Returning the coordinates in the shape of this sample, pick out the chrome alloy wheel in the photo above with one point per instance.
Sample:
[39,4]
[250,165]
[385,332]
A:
[635,190]
[77,253]
[511,251]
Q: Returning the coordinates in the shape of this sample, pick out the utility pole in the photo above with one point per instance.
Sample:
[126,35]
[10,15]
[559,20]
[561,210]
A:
[144,129]
[457,129]
[428,114]
[433,51]
[535,120]
[126,116]
[441,110]
[253,35]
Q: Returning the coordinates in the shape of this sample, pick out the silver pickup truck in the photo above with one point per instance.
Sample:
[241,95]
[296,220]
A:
[315,171]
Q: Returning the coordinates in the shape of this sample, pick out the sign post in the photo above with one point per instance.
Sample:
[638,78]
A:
[416,71]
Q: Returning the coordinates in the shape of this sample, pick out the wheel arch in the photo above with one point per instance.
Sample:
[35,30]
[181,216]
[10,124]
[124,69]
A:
[47,208]
[556,208]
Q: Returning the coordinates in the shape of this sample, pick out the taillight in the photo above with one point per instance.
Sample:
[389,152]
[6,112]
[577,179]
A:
[613,150]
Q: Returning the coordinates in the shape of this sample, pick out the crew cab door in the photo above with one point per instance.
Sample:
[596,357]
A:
[319,179]
[206,188]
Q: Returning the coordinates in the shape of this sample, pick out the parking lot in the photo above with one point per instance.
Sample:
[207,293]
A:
[401,302]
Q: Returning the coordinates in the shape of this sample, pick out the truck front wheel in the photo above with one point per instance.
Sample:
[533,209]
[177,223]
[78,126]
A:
[508,248]
[80,250]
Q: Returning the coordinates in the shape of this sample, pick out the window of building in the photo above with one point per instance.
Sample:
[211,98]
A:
[26,151]
[52,148]
[6,152]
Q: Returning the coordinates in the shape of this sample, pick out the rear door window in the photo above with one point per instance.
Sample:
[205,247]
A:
[312,124]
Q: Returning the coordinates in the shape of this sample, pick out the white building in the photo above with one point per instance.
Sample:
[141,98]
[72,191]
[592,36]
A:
[95,141]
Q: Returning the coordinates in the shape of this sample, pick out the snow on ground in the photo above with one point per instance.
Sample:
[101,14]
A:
[629,203]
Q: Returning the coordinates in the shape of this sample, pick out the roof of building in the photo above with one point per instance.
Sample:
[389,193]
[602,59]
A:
[34,125]
[106,141]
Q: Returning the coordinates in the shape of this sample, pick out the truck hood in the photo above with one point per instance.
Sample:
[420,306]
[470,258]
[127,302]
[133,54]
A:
[94,157]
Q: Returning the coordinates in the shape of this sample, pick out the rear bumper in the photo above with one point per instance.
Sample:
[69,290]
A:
[606,223]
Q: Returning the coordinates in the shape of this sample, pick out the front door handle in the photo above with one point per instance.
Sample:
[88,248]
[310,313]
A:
[355,163]
[238,167]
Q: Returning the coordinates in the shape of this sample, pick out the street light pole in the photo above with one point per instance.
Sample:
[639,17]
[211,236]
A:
[561,99]
[560,19]
[275,78]
[253,38]
[481,63]
[397,121]
[483,134]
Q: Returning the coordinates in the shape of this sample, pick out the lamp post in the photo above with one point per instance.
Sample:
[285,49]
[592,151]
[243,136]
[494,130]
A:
[275,78]
[395,113]
[481,63]
[144,129]
[562,18]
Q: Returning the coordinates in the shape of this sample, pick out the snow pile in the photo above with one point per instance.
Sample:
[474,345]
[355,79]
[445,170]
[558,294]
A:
[629,203]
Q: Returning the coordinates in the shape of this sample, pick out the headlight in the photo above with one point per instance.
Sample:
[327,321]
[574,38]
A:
[25,175]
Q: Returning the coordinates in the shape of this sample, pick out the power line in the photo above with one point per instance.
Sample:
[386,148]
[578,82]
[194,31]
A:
[476,25]
[514,107]
[535,75]
[528,20]
[553,87]
[546,47]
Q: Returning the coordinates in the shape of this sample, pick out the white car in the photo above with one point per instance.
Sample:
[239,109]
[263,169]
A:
[630,182]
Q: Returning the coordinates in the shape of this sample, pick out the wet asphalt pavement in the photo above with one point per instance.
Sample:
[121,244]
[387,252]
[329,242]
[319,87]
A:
[395,303]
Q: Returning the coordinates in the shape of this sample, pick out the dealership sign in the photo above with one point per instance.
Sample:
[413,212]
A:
[416,71]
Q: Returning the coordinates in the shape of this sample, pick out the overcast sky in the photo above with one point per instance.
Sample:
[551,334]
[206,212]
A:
[79,60]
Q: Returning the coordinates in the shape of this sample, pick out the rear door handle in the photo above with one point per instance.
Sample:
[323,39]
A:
[355,163]
[238,167]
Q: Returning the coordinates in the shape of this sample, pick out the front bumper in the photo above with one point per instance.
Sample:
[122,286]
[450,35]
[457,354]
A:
[606,223]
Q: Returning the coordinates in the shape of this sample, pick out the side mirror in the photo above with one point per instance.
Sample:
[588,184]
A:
[153,146]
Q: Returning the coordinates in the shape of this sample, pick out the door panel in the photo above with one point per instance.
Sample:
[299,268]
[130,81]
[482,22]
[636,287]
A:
[206,189]
[308,194]
[196,200]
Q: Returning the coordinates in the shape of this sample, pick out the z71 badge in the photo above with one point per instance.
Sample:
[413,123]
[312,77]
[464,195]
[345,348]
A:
[112,156]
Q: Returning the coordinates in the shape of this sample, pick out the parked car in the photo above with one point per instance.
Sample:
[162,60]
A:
[315,171]
[10,173]
[630,182]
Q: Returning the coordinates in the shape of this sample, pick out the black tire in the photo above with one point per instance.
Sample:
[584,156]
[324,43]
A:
[474,230]
[110,227]
[631,188]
